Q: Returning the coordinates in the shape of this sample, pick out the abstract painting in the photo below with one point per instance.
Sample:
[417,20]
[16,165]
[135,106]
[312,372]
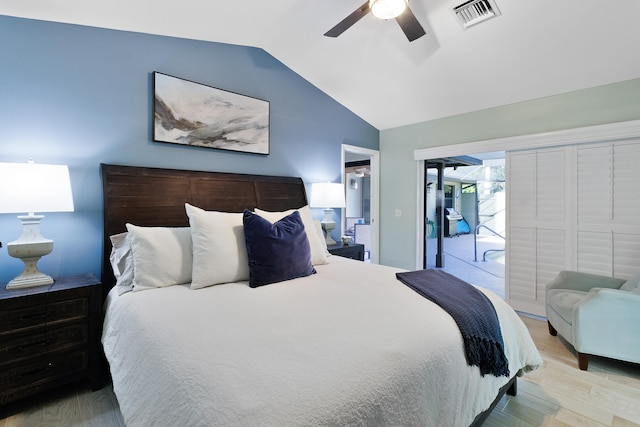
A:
[194,114]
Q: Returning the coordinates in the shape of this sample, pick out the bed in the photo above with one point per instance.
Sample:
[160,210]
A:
[346,344]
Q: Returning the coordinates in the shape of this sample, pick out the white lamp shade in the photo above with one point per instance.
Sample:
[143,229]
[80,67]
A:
[32,187]
[387,9]
[327,195]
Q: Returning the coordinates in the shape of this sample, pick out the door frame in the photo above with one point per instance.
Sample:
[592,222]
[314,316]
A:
[374,158]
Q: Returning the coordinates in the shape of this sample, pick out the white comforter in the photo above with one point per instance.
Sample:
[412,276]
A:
[350,345]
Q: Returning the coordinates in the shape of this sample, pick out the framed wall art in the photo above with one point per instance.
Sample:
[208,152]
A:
[189,113]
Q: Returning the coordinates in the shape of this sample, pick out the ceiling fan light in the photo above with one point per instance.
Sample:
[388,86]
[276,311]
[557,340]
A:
[387,9]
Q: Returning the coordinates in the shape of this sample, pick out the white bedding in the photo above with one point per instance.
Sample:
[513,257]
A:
[350,345]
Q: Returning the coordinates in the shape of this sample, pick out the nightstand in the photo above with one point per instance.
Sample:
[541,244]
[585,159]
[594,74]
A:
[50,336]
[352,250]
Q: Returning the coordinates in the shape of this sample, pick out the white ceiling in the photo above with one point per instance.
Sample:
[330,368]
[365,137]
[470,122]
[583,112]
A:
[537,48]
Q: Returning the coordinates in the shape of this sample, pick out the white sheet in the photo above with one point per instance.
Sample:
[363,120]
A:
[350,345]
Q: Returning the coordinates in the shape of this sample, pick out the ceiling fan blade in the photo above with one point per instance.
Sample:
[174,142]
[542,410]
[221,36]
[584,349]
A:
[347,22]
[410,25]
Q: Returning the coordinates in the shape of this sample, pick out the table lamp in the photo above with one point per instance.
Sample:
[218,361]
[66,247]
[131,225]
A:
[327,195]
[30,188]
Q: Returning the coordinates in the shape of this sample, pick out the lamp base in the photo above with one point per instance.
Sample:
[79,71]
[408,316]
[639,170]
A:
[329,241]
[30,278]
[328,224]
[30,247]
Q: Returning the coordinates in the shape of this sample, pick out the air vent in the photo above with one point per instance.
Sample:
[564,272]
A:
[475,11]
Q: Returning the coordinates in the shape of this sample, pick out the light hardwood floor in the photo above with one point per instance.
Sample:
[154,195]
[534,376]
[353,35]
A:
[557,394]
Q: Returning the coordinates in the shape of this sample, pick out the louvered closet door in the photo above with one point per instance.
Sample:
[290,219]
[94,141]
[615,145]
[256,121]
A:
[594,209]
[537,237]
[626,209]
[608,214]
[521,253]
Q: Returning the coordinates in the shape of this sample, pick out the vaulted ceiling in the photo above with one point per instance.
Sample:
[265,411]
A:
[536,48]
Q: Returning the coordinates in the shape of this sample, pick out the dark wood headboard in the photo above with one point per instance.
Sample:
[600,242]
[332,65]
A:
[155,197]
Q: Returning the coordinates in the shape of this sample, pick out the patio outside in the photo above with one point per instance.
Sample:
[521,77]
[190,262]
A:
[478,197]
[460,260]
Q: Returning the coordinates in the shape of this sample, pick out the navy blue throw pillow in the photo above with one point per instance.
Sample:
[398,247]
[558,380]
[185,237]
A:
[278,251]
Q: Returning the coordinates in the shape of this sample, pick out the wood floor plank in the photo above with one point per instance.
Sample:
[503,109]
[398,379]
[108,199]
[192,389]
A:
[28,418]
[61,407]
[595,390]
[622,404]
[499,418]
[98,409]
[619,422]
[560,388]
[530,409]
[573,419]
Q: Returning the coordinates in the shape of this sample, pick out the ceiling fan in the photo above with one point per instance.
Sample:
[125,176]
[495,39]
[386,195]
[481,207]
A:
[383,9]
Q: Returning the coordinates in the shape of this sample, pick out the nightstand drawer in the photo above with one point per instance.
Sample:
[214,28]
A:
[22,313]
[27,379]
[51,313]
[22,349]
[66,310]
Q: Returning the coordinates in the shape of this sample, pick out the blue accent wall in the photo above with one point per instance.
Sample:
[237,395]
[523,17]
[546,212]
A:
[82,96]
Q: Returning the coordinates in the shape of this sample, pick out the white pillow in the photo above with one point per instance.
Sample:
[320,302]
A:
[317,244]
[162,256]
[122,262]
[219,248]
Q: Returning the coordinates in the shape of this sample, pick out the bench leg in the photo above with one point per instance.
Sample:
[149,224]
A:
[552,330]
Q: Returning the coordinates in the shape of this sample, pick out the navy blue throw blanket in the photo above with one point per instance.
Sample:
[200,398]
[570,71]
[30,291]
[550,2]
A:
[473,313]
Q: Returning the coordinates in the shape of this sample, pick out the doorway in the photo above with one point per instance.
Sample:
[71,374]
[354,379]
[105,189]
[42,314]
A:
[464,218]
[360,174]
